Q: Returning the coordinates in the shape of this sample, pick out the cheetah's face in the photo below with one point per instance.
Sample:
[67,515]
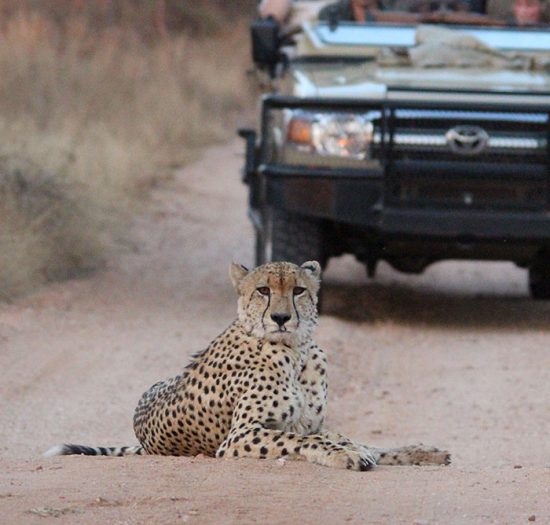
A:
[278,301]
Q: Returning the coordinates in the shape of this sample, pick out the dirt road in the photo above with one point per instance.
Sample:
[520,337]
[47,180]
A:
[458,358]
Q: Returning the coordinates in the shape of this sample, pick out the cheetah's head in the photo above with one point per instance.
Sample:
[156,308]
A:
[278,301]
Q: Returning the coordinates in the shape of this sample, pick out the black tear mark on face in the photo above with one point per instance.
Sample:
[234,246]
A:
[296,310]
[265,311]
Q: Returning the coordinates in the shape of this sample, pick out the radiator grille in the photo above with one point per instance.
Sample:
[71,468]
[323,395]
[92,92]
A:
[465,159]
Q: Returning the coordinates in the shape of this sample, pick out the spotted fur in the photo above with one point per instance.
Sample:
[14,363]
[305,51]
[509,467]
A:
[259,389]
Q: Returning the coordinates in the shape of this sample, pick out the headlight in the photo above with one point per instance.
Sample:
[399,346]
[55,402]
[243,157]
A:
[330,134]
[318,138]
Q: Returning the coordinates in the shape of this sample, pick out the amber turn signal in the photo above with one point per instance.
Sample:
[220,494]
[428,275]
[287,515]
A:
[299,131]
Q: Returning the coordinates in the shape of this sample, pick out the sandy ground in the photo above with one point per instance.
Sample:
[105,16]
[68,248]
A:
[458,357]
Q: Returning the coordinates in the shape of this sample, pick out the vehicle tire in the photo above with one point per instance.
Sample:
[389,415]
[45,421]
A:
[290,237]
[539,278]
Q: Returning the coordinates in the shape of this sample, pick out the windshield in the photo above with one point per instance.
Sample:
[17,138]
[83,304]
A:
[381,35]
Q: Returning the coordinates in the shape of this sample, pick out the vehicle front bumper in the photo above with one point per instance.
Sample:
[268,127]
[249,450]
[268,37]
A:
[357,199]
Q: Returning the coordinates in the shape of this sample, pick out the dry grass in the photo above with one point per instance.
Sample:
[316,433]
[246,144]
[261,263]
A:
[88,120]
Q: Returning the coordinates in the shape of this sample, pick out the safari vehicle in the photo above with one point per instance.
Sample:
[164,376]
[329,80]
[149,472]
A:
[363,150]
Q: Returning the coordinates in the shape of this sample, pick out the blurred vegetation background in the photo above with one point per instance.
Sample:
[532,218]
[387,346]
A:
[98,102]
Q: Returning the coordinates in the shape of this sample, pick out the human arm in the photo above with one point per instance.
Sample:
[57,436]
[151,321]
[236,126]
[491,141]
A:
[278,9]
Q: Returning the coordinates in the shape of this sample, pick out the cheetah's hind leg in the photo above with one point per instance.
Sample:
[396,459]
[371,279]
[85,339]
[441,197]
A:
[412,455]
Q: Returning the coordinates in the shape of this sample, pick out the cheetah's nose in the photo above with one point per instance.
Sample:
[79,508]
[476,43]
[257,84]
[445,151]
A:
[280,319]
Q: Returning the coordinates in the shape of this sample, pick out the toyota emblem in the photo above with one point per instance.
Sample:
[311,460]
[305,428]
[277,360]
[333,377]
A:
[467,140]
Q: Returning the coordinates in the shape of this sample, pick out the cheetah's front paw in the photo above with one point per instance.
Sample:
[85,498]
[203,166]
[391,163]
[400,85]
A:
[353,460]
[372,453]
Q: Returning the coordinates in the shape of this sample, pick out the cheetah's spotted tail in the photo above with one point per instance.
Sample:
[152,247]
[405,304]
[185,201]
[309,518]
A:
[69,449]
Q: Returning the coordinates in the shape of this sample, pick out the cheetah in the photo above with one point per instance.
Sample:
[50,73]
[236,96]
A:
[259,390]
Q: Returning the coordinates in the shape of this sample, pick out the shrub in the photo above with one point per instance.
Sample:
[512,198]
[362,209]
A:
[90,117]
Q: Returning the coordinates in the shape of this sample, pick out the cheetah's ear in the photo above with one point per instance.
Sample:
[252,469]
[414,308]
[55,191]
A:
[312,269]
[237,272]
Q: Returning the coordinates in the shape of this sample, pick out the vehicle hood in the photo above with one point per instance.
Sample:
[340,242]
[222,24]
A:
[369,79]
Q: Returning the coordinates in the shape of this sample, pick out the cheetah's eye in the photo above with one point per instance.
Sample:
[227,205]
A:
[264,290]
[298,290]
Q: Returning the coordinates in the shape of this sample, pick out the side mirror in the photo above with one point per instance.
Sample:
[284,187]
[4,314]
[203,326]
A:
[266,41]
